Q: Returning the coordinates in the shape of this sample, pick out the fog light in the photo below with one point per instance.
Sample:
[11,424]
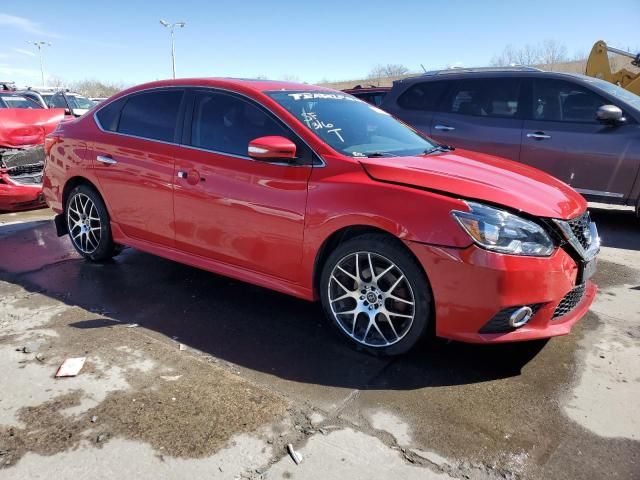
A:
[520,317]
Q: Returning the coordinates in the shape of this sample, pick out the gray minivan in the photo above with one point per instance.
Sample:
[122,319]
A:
[582,130]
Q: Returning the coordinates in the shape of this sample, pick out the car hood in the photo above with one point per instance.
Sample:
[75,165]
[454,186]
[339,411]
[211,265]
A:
[477,176]
[22,127]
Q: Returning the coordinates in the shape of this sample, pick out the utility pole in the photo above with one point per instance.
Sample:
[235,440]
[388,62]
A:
[39,45]
[171,27]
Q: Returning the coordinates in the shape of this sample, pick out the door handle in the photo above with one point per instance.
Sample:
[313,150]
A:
[182,174]
[538,135]
[106,160]
[445,128]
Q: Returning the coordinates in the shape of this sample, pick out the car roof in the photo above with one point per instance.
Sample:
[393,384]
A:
[490,72]
[241,84]
[359,89]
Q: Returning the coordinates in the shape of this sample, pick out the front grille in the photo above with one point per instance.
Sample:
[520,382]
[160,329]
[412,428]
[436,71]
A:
[25,169]
[500,322]
[569,301]
[580,229]
[26,174]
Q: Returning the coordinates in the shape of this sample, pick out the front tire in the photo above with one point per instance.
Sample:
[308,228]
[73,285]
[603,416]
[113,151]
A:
[89,225]
[376,295]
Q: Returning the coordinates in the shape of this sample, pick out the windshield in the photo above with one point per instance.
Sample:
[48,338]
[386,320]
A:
[17,101]
[77,101]
[618,92]
[351,126]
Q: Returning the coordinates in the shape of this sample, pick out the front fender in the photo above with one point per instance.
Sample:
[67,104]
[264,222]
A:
[351,198]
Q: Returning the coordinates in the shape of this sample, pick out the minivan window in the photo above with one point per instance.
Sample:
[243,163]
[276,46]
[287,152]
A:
[57,101]
[351,126]
[495,97]
[226,123]
[78,101]
[151,115]
[423,96]
[562,101]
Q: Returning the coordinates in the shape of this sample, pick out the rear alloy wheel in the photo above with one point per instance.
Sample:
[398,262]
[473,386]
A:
[376,296]
[88,224]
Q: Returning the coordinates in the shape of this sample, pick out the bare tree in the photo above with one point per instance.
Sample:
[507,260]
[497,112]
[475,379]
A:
[289,77]
[506,58]
[549,53]
[552,53]
[528,55]
[55,82]
[96,88]
[390,70]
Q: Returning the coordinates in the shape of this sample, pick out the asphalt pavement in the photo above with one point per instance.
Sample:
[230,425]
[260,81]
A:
[193,375]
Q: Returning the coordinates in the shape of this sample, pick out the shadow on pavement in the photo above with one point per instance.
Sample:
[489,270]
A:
[617,228]
[250,326]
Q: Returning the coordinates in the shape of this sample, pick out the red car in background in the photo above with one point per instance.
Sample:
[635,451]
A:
[317,194]
[23,126]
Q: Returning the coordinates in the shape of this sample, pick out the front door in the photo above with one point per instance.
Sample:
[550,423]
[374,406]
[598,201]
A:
[564,138]
[229,207]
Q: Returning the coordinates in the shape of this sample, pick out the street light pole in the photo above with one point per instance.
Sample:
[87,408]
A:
[171,27]
[39,45]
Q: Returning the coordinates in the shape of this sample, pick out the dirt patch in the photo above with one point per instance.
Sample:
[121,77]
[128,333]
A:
[612,274]
[47,430]
[190,418]
[134,386]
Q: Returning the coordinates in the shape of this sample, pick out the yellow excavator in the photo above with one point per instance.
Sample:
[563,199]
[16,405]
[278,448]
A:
[598,66]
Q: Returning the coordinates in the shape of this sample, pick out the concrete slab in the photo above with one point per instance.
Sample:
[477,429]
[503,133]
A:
[349,454]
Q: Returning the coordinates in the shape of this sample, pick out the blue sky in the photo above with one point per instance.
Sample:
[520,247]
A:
[122,41]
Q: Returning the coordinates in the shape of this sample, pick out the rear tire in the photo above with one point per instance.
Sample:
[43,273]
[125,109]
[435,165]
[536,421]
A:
[385,313]
[89,225]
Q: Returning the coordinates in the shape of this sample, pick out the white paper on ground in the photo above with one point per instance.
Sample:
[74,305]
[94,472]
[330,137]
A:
[71,367]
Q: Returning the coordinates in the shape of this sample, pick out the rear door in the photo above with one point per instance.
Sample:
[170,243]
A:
[230,207]
[482,114]
[133,158]
[417,105]
[564,138]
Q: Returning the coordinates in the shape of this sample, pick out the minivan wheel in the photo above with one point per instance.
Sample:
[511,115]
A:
[88,225]
[376,295]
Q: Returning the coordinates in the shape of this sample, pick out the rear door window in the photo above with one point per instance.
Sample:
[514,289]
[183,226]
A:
[423,96]
[151,115]
[495,97]
[109,115]
[562,101]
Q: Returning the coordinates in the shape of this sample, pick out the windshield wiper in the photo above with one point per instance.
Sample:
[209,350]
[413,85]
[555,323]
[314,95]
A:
[378,154]
[438,148]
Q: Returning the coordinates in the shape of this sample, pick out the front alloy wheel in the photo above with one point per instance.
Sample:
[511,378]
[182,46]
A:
[371,299]
[376,294]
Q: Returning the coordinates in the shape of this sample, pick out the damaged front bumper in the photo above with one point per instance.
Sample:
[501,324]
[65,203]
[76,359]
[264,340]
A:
[21,178]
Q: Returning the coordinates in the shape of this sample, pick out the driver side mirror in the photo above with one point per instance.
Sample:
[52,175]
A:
[610,114]
[272,148]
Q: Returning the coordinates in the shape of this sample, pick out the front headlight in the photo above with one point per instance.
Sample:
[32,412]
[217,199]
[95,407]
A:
[504,232]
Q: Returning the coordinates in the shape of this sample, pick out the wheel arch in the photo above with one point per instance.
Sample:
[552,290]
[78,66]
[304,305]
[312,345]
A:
[344,234]
[73,182]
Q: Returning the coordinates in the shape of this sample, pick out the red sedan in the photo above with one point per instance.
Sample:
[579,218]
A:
[317,194]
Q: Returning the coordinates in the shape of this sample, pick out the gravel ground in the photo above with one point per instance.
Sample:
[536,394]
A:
[189,374]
